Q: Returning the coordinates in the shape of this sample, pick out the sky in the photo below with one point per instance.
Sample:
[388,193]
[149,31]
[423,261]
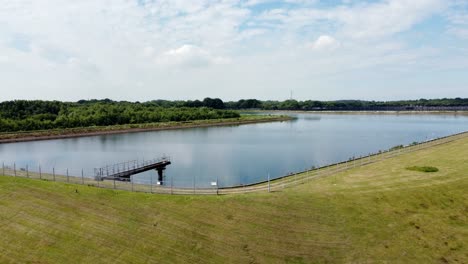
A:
[140,50]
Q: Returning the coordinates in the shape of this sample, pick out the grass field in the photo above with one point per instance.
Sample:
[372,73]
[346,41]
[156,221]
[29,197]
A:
[378,213]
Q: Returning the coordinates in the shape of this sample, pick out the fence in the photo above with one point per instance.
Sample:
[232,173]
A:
[85,178]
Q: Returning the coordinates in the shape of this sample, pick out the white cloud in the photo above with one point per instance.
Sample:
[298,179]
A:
[250,3]
[385,18]
[325,43]
[458,18]
[189,56]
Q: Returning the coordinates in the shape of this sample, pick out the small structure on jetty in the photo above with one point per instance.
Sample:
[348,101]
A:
[123,171]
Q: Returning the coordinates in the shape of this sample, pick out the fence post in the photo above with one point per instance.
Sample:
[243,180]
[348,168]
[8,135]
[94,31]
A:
[82,176]
[27,171]
[14,168]
[172,184]
[40,172]
[53,173]
[151,183]
[131,180]
[3,168]
[114,182]
[268,182]
[68,178]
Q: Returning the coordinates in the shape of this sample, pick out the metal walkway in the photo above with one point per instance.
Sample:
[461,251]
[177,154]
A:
[123,171]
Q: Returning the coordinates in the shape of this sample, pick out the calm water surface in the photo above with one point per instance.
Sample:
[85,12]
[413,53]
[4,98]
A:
[238,154]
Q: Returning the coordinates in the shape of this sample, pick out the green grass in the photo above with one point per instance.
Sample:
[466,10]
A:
[378,213]
[423,168]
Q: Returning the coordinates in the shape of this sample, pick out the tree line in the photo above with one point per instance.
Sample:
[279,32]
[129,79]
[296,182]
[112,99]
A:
[351,105]
[21,115]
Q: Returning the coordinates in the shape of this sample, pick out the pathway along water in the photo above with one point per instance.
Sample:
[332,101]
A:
[237,155]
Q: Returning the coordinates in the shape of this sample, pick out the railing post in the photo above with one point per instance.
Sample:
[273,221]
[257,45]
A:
[151,183]
[268,182]
[193,183]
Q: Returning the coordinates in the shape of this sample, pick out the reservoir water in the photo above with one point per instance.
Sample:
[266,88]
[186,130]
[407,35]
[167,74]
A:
[237,155]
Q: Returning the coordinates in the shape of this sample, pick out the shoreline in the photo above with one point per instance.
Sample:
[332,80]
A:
[112,130]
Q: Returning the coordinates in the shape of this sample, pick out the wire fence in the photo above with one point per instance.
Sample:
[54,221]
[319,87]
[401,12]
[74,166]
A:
[89,178]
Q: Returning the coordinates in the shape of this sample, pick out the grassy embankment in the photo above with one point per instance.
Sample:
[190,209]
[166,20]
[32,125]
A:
[381,212]
[116,129]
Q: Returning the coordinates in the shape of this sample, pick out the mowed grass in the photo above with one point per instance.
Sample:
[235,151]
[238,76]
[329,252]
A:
[378,213]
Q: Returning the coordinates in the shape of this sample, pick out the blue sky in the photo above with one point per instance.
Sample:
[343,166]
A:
[233,49]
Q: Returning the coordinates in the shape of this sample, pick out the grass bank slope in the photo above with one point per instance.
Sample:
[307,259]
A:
[377,213]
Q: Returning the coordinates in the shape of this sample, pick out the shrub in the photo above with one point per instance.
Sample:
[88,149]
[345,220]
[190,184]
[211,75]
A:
[423,168]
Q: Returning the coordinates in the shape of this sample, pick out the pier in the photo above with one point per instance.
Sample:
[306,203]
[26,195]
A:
[123,171]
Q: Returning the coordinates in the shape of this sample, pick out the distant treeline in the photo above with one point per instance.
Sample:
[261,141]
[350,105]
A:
[308,105]
[23,115]
[352,105]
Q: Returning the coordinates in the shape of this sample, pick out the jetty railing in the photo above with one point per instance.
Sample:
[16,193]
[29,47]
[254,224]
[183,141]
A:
[88,177]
